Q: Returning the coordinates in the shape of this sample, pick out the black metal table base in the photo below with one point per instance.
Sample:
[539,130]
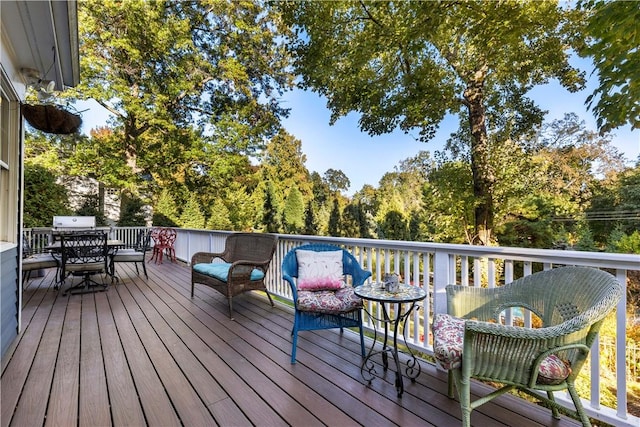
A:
[87,285]
[413,368]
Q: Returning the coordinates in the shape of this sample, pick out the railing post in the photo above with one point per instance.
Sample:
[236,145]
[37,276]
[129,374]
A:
[441,279]
[621,341]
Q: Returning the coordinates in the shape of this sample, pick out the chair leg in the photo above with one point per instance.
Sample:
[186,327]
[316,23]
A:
[294,343]
[25,277]
[192,286]
[450,385]
[230,308]
[554,410]
[144,268]
[269,295]
[464,393]
[578,404]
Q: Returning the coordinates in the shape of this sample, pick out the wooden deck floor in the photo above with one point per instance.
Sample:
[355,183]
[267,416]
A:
[145,353]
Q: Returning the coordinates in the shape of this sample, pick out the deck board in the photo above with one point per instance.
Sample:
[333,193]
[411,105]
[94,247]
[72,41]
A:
[145,353]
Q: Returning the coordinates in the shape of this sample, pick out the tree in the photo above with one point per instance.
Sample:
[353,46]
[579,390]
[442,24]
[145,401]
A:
[271,215]
[320,188]
[409,64]
[449,204]
[335,219]
[548,181]
[162,67]
[165,213]
[395,226]
[310,226]
[613,44]
[91,207]
[283,163]
[192,216]
[336,180]
[293,213]
[353,221]
[133,213]
[219,217]
[615,204]
[43,197]
[242,208]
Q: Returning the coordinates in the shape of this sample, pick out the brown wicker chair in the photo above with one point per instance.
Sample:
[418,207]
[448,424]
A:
[240,268]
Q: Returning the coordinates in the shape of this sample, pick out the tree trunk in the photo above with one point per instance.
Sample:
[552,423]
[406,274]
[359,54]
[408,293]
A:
[483,174]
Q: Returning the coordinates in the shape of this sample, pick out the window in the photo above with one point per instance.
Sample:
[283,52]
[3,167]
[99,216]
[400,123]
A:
[9,170]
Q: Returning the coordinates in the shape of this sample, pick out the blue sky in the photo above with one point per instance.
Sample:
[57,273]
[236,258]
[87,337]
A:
[365,159]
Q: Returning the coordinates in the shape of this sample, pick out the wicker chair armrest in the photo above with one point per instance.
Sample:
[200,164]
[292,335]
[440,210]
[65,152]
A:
[499,352]
[206,257]
[580,351]
[241,269]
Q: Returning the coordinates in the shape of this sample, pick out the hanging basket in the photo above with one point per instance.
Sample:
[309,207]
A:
[51,118]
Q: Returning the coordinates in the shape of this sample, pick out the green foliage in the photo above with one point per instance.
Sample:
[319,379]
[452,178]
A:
[91,207]
[614,204]
[448,198]
[626,244]
[167,71]
[336,180]
[283,165]
[165,212]
[43,197]
[271,217]
[132,212]
[394,226]
[320,188]
[242,207]
[293,213]
[408,64]
[530,224]
[334,219]
[219,217]
[613,45]
[352,220]
[192,216]
[584,238]
[310,226]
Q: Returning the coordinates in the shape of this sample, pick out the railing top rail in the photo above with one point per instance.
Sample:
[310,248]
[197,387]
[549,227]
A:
[595,259]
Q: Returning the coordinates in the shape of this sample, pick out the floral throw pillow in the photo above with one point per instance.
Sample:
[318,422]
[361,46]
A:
[319,271]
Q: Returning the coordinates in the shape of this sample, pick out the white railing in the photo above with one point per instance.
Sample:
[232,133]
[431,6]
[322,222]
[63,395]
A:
[433,266]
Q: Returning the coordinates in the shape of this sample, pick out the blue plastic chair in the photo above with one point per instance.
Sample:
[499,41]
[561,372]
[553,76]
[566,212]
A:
[308,320]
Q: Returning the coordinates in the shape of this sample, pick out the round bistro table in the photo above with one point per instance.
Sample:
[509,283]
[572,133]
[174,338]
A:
[405,294]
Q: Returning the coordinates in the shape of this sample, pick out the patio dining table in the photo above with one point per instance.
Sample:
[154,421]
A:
[113,245]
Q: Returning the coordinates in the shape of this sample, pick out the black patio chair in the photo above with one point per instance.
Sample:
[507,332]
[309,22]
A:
[135,253]
[84,254]
[34,261]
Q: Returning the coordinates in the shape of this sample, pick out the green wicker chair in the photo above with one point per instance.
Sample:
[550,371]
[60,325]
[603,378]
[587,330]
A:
[471,342]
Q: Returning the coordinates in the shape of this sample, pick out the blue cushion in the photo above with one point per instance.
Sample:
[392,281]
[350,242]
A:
[220,270]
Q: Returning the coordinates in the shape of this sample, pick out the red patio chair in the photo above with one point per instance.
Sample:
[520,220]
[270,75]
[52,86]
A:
[163,243]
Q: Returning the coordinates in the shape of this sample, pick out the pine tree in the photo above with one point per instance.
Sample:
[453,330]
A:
[132,213]
[310,226]
[293,211]
[271,218]
[334,220]
[219,218]
[192,216]
[165,213]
